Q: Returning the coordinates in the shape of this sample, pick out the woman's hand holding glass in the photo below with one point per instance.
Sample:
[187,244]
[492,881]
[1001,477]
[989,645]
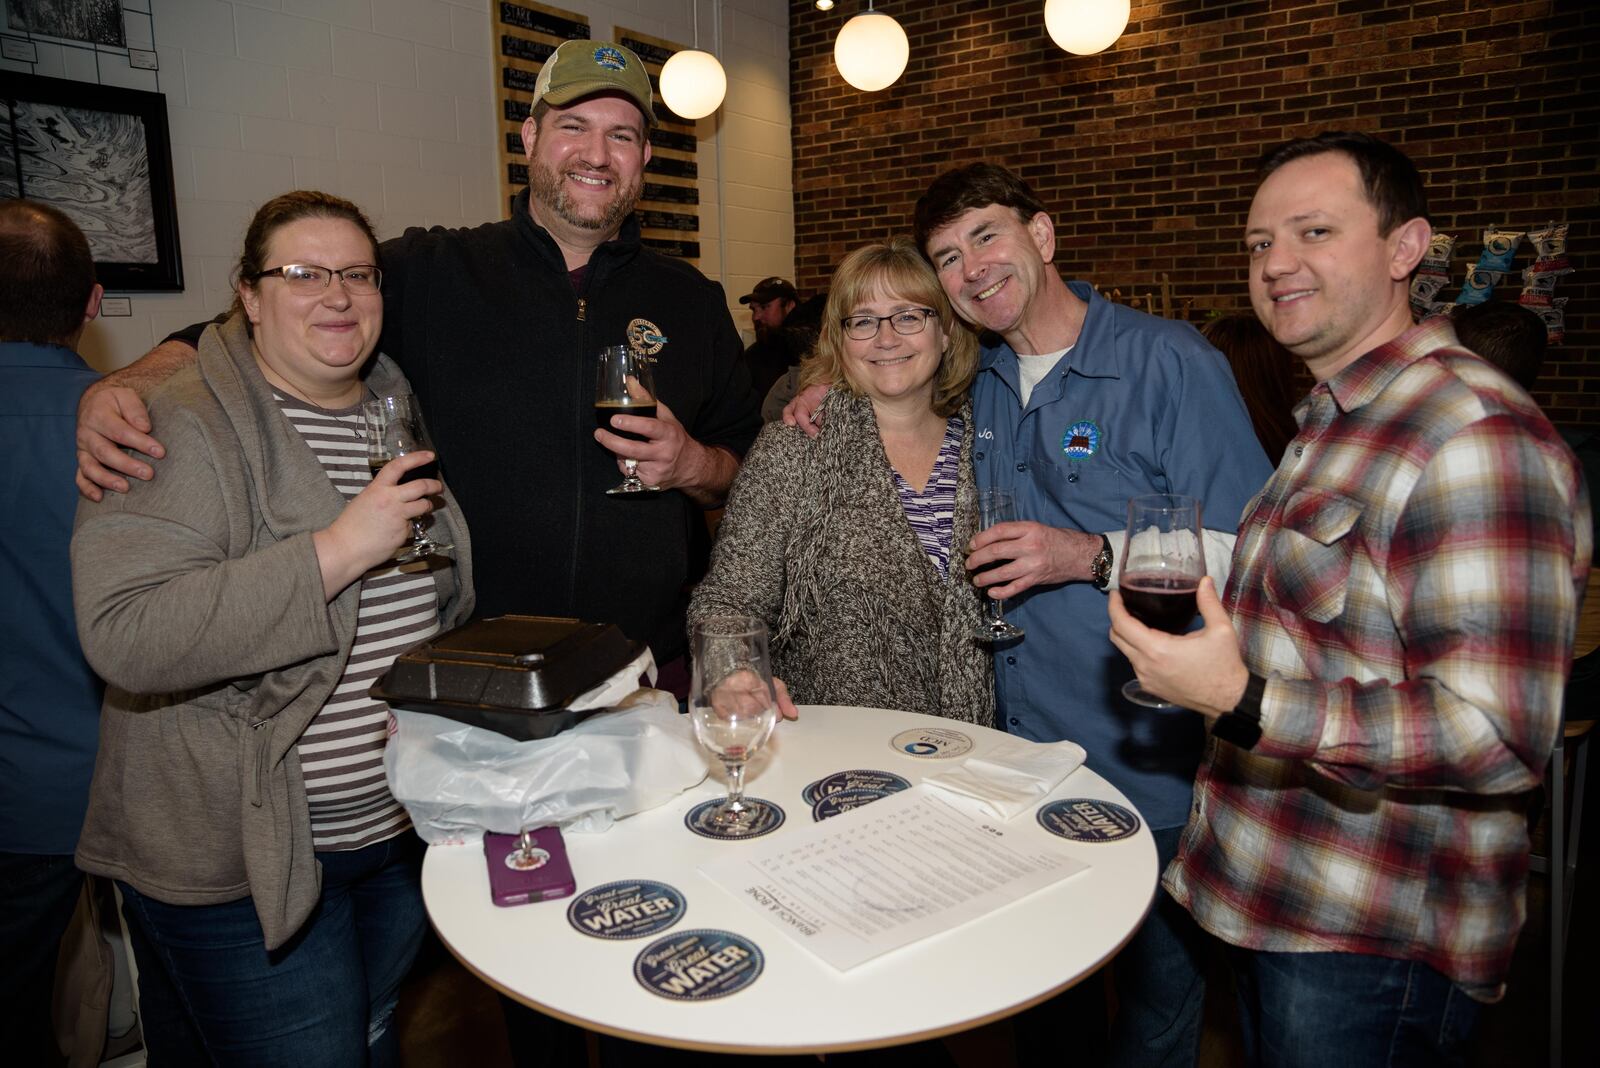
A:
[375,523]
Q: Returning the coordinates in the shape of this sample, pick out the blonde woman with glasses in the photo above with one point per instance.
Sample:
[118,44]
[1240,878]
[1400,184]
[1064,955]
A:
[848,545]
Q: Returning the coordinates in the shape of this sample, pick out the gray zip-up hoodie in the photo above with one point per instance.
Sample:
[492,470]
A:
[199,601]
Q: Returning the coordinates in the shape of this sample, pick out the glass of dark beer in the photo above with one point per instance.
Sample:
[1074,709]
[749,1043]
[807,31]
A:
[1163,561]
[395,428]
[624,387]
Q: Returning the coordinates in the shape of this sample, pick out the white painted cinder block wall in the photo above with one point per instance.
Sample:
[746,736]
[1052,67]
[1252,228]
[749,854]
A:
[391,103]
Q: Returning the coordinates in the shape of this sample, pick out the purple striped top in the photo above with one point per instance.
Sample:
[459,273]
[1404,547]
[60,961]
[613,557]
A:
[931,513]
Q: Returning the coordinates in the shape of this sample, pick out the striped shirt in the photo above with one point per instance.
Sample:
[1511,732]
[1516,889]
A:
[341,751]
[931,513]
[1407,583]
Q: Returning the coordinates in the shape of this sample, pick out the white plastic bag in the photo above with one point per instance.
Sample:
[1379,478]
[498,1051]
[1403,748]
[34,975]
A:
[458,781]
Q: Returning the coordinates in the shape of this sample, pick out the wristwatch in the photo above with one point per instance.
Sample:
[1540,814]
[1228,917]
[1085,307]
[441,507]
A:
[1242,725]
[1100,566]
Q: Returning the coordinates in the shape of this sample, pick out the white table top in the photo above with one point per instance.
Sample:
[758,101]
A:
[981,971]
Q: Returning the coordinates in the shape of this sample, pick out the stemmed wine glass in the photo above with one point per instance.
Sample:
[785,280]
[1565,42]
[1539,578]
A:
[1163,561]
[394,428]
[732,705]
[995,506]
[624,387]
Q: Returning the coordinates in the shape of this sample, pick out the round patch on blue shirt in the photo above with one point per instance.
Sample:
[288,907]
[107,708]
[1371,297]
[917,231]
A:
[1081,441]
[632,908]
[698,965]
[1084,819]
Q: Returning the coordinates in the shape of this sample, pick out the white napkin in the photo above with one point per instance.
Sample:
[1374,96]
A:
[615,690]
[1014,775]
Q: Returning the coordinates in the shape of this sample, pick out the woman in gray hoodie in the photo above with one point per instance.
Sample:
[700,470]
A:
[239,606]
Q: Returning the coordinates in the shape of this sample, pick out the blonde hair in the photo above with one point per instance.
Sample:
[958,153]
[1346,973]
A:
[894,267]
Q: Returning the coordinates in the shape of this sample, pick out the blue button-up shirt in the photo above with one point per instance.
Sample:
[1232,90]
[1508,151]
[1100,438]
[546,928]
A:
[49,699]
[1139,405]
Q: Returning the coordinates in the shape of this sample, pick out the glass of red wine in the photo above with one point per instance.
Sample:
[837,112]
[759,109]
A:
[624,387]
[394,428]
[1163,561]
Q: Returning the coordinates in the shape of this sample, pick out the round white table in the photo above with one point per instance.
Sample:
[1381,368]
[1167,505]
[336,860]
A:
[976,973]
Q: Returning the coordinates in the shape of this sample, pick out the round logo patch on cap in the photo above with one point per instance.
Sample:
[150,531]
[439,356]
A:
[1081,441]
[610,58]
[698,965]
[1084,819]
[632,908]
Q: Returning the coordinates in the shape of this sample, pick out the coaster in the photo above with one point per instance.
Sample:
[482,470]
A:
[857,779]
[698,965]
[844,801]
[765,817]
[1083,819]
[931,743]
[629,909]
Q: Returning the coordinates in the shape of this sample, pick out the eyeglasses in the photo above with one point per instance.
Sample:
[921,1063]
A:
[362,279]
[865,327]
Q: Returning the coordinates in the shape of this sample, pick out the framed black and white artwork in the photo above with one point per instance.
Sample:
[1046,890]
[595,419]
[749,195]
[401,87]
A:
[103,156]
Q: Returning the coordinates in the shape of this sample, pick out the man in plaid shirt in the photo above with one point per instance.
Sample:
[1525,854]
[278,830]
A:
[1383,679]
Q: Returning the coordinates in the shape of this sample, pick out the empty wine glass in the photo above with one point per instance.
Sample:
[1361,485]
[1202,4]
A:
[733,705]
[624,387]
[995,506]
[1163,561]
[394,428]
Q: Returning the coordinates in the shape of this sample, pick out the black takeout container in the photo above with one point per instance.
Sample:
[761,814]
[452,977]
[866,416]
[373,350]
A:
[511,674]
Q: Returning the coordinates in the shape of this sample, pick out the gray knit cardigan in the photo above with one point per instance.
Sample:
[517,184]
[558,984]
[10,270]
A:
[815,542]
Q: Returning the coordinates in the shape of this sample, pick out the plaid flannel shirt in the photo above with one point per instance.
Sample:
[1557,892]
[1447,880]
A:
[1407,582]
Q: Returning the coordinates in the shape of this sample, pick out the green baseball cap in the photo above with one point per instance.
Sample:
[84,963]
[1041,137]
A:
[577,69]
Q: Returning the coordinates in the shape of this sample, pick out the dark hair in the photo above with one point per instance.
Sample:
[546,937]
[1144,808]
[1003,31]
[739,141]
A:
[891,268]
[46,273]
[1391,180]
[1508,335]
[977,185]
[1264,372]
[279,212]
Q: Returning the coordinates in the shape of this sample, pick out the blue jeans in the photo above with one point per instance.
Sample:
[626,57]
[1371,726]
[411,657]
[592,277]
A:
[1330,1010]
[211,993]
[38,893]
[1160,981]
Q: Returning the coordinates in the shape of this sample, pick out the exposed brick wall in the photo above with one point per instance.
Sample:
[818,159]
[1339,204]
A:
[1146,152]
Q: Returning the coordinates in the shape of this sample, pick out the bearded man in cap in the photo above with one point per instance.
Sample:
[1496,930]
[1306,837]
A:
[498,328]
[770,303]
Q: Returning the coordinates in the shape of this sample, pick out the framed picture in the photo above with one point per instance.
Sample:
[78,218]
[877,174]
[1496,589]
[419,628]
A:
[102,155]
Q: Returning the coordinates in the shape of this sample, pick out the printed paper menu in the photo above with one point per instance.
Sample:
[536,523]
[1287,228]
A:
[890,873]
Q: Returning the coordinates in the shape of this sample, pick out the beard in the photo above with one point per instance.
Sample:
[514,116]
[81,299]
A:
[549,190]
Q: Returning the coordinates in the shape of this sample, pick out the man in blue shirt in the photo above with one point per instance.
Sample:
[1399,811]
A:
[49,698]
[1080,404]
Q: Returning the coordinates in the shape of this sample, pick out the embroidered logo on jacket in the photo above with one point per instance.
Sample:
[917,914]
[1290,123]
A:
[1081,441]
[645,337]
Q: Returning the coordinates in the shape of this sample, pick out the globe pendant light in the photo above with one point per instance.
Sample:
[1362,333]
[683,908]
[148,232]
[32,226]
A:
[871,51]
[1084,27]
[692,82]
